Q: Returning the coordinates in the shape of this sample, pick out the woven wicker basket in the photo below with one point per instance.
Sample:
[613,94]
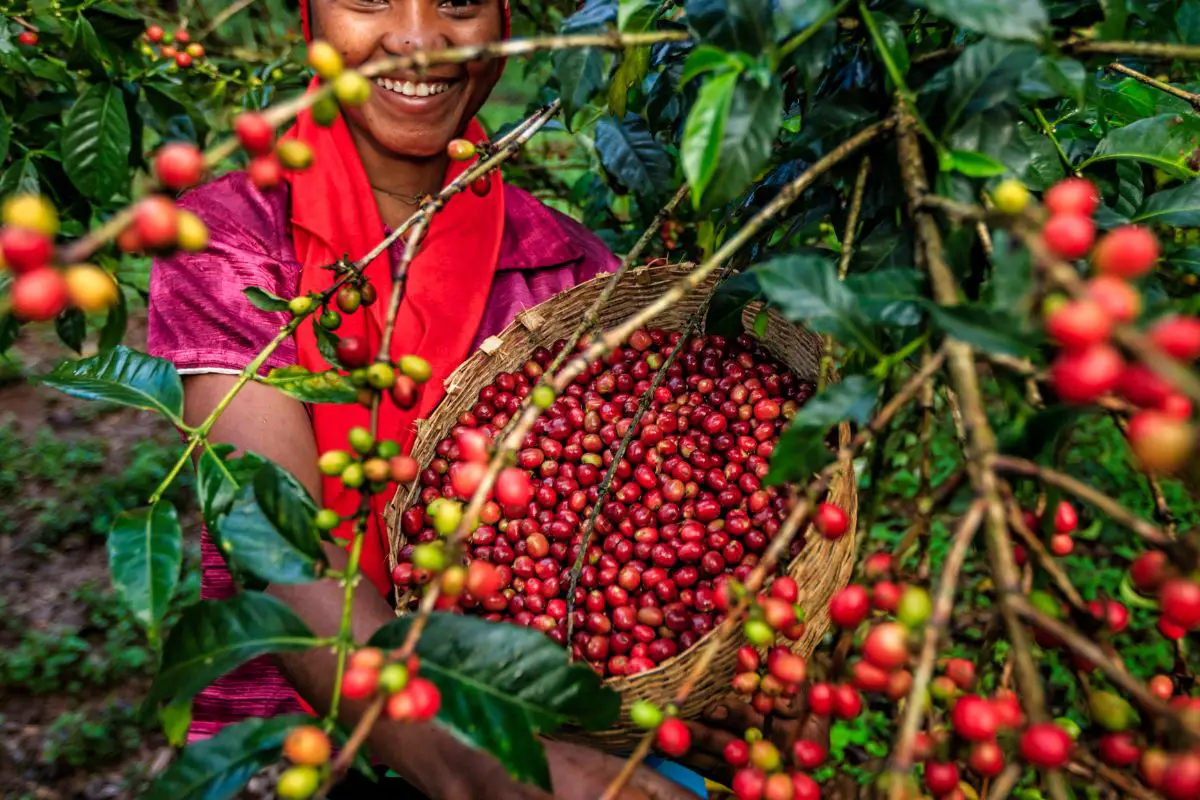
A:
[821,568]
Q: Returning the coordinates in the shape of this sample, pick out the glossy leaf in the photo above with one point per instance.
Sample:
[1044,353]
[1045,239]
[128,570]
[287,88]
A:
[213,637]
[984,76]
[287,504]
[805,288]
[705,131]
[95,143]
[1015,19]
[264,300]
[327,343]
[122,376]
[219,477]
[795,15]
[71,327]
[312,387]
[1053,76]
[888,296]
[725,310]
[975,165]
[502,685]
[580,73]
[630,154]
[5,134]
[707,58]
[145,556]
[250,539]
[803,448]
[987,329]
[1130,188]
[748,135]
[219,767]
[1165,142]
[732,24]
[1179,206]
[114,326]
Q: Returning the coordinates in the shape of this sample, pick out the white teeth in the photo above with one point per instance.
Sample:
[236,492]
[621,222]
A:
[410,89]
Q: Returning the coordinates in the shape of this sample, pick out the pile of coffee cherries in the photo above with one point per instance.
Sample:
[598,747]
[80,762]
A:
[687,509]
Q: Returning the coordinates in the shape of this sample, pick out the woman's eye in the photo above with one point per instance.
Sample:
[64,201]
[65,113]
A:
[461,5]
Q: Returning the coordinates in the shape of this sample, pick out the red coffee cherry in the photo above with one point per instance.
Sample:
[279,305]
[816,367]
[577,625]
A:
[986,759]
[1161,442]
[38,295]
[256,135]
[1069,236]
[179,165]
[1178,336]
[156,221]
[737,753]
[359,683]
[974,718]
[27,38]
[849,607]
[1082,376]
[1072,196]
[1129,251]
[941,778]
[1118,750]
[673,737]
[808,754]
[831,521]
[1079,324]
[1046,745]
[155,33]
[25,249]
[886,645]
[1122,302]
[1180,601]
[1065,518]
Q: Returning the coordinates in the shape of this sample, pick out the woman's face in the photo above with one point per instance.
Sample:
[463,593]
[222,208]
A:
[407,114]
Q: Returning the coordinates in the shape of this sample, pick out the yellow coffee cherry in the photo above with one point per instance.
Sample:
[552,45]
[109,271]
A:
[90,288]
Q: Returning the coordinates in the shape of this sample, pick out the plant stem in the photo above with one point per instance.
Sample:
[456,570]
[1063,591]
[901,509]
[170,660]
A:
[1045,560]
[1108,506]
[1092,652]
[350,578]
[797,41]
[937,626]
[1048,129]
[1158,50]
[222,17]
[848,235]
[1175,91]
[981,441]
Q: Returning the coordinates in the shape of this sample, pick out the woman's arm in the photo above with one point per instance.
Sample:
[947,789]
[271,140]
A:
[262,420]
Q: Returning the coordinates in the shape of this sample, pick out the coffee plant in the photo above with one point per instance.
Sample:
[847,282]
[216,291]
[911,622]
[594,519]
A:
[988,212]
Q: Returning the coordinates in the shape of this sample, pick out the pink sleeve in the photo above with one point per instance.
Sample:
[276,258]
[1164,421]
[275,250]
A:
[199,316]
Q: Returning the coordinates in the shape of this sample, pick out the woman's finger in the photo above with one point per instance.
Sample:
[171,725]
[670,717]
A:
[734,715]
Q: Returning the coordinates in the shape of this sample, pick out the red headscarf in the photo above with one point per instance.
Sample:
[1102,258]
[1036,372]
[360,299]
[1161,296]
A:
[334,215]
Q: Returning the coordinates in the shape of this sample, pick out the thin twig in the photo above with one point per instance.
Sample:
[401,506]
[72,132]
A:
[848,236]
[1045,560]
[224,15]
[1175,91]
[1110,507]
[1085,647]
[938,624]
[981,440]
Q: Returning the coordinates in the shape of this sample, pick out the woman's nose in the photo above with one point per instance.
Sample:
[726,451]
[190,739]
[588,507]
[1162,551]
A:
[414,25]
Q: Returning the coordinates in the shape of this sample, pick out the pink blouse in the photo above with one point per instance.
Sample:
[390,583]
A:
[202,322]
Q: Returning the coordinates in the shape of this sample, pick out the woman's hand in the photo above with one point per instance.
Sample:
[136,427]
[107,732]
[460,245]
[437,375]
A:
[730,718]
[576,773]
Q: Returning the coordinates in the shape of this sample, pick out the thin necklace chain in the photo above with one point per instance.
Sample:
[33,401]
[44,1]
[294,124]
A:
[408,199]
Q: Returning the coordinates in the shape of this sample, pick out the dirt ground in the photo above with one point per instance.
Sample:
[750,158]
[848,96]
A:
[37,584]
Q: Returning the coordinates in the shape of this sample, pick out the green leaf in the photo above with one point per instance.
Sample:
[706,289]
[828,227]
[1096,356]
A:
[71,327]
[262,299]
[983,77]
[988,329]
[803,448]
[750,129]
[175,719]
[1130,188]
[122,376]
[5,134]
[114,326]
[327,344]
[635,15]
[213,637]
[630,155]
[1011,276]
[888,296]
[1178,207]
[1165,142]
[805,288]
[217,768]
[707,58]
[894,40]
[287,504]
[1032,157]
[704,131]
[312,387]
[21,177]
[975,165]
[796,15]
[250,540]
[725,310]
[218,480]
[86,50]
[1054,76]
[580,73]
[96,141]
[1023,20]
[732,24]
[502,685]
[145,555]
[9,328]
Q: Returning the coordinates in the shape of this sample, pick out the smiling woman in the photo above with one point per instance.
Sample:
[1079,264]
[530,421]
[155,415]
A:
[487,255]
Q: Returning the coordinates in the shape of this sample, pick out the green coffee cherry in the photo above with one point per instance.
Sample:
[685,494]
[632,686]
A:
[330,320]
[543,396]
[393,678]
[381,376]
[333,462]
[449,515]
[646,715]
[298,783]
[416,368]
[1110,711]
[429,557]
[914,607]
[361,440]
[301,305]
[758,632]
[327,519]
[352,476]
[388,448]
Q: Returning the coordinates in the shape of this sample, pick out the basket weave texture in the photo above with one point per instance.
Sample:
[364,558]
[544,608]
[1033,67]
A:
[821,568]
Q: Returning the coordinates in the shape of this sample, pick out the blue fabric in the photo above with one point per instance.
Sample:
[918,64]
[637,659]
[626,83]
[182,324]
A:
[689,780]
